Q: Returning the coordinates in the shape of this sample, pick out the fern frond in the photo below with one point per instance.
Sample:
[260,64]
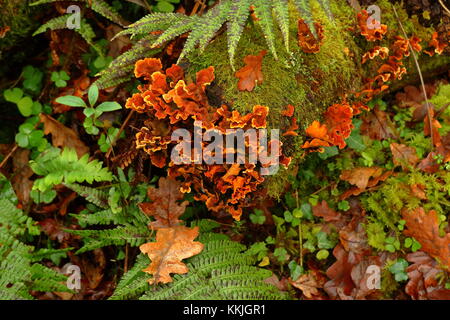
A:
[281,12]
[134,282]
[222,271]
[107,11]
[18,223]
[154,22]
[327,8]
[239,12]
[233,13]
[85,30]
[205,29]
[263,11]
[95,196]
[176,29]
[50,1]
[305,10]
[121,69]
[58,167]
[18,273]
[121,235]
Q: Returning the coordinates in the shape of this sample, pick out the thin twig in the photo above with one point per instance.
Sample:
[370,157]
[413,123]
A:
[120,132]
[300,234]
[430,120]
[447,11]
[9,155]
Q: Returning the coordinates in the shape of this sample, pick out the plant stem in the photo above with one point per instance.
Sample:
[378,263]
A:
[300,234]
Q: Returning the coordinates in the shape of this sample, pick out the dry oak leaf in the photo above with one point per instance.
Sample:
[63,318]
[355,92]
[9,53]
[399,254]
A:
[424,227]
[429,164]
[164,206]
[172,245]
[423,283]
[308,284]
[251,75]
[323,210]
[404,155]
[361,178]
[62,136]
[377,125]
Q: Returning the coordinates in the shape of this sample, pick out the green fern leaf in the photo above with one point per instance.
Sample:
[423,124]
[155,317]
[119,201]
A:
[305,10]
[239,12]
[205,28]
[223,270]
[95,196]
[327,8]
[281,12]
[58,167]
[263,11]
[107,11]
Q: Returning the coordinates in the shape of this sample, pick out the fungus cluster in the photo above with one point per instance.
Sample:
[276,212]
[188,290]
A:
[170,103]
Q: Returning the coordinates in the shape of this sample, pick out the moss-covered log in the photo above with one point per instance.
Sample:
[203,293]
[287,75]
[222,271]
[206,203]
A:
[310,82]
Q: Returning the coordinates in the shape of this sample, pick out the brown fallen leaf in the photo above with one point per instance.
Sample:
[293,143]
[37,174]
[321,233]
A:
[377,125]
[444,147]
[172,245]
[418,190]
[93,265]
[251,74]
[62,136]
[324,211]
[361,177]
[164,206]
[404,156]
[429,164]
[424,227]
[423,274]
[308,284]
[20,181]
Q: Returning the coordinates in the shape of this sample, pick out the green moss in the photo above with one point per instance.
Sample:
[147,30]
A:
[20,18]
[375,234]
[310,82]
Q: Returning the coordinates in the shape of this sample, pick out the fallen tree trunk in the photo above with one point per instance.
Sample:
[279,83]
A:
[310,81]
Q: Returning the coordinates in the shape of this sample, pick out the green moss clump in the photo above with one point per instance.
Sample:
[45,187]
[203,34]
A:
[310,82]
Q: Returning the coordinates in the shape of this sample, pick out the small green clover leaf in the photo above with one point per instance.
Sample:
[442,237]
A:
[60,78]
[257,217]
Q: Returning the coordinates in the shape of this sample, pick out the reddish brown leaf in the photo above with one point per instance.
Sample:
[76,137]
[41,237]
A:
[324,211]
[62,136]
[308,284]
[93,266]
[444,147]
[251,75]
[54,230]
[404,155]
[377,125]
[429,164]
[20,181]
[424,227]
[418,191]
[164,206]
[423,274]
[172,245]
[360,176]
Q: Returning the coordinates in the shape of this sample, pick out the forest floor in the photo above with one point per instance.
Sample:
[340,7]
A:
[92,208]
